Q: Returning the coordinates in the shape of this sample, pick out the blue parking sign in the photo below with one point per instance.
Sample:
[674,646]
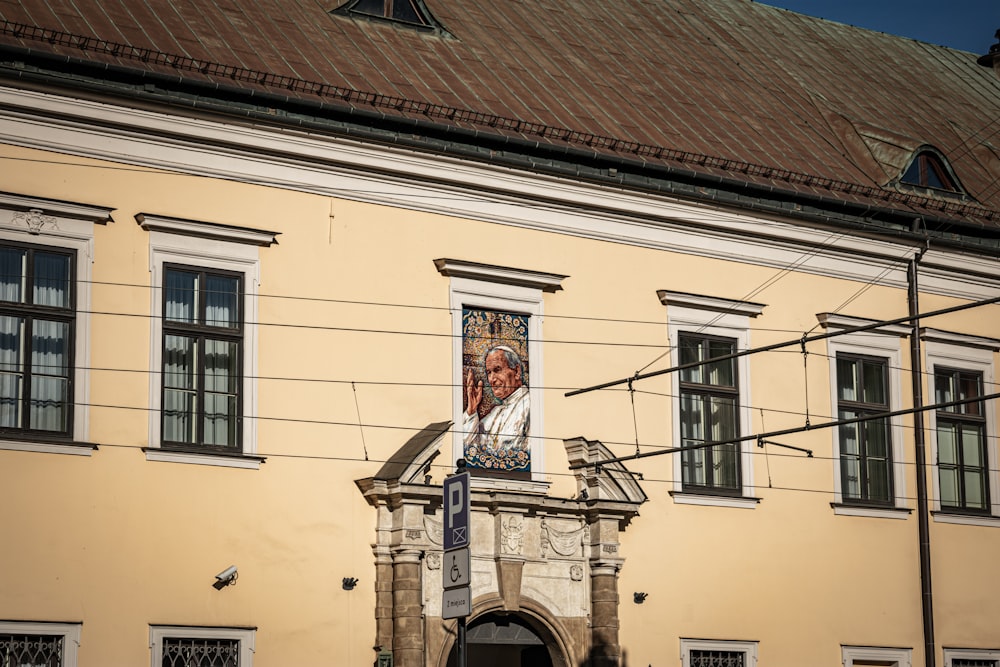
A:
[456,511]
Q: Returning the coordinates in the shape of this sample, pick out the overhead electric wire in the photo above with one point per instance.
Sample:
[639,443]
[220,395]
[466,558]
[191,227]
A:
[776,346]
[788,431]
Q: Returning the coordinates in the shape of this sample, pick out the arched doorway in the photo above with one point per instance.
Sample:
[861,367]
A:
[505,640]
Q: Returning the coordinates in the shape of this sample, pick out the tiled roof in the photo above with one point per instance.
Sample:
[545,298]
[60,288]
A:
[728,88]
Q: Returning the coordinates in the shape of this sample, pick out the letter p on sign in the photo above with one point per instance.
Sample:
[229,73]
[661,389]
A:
[456,511]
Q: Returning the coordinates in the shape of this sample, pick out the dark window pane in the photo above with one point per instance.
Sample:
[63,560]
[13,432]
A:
[51,284]
[874,383]
[180,290]
[403,10]
[947,442]
[49,405]
[13,269]
[878,480]
[373,7]
[944,389]
[180,388]
[970,386]
[222,301]
[689,352]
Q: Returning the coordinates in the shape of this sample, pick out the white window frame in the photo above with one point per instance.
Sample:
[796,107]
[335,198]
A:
[474,285]
[970,654]
[157,633]
[713,316]
[69,226]
[972,353]
[748,648]
[208,246]
[70,632]
[896,657]
[885,343]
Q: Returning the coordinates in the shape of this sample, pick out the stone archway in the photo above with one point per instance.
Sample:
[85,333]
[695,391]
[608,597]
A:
[508,640]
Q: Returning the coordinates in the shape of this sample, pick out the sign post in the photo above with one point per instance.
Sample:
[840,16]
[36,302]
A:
[456,598]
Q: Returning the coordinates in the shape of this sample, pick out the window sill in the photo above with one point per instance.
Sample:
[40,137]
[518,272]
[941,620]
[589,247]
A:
[872,511]
[944,516]
[246,461]
[49,447]
[688,498]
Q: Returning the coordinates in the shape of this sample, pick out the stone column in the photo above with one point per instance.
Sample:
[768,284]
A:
[604,648]
[407,609]
[383,598]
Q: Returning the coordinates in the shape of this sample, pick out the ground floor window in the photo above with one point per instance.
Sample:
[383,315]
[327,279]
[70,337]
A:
[955,657]
[718,653]
[184,646]
[25,644]
[876,656]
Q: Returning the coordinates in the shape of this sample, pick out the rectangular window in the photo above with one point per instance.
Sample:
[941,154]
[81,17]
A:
[875,656]
[31,650]
[711,653]
[866,469]
[202,358]
[203,652]
[184,646]
[709,407]
[26,644]
[957,657]
[37,330]
[718,658]
[963,462]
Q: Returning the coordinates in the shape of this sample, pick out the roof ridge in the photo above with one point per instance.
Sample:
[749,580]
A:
[377,100]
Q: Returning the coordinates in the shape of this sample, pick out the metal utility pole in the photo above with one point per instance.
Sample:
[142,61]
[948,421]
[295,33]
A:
[920,455]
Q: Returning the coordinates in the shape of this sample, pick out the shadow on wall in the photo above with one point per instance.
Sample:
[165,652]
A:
[598,658]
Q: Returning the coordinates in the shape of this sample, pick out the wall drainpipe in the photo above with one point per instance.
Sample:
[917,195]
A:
[916,374]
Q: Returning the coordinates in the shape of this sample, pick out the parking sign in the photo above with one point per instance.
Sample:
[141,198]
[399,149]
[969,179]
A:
[456,511]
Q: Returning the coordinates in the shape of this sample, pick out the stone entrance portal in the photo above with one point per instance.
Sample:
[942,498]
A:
[544,570]
[507,640]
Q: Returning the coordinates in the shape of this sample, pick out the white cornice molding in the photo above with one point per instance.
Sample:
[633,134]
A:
[748,308]
[90,213]
[959,339]
[836,321]
[457,268]
[446,185]
[205,230]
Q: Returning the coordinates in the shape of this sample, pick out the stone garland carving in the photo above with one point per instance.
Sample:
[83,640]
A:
[511,535]
[34,220]
[564,543]
[434,528]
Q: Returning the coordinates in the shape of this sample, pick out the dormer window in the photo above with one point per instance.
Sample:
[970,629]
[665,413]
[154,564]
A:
[929,169]
[409,12]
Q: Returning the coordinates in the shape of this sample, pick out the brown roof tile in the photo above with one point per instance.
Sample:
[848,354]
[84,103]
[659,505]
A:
[733,80]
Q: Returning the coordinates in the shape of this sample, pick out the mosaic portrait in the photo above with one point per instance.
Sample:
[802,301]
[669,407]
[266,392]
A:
[495,402]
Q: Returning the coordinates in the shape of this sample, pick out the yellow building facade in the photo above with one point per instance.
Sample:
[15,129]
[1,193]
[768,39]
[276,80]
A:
[239,361]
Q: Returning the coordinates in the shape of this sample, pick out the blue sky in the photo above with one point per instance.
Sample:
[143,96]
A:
[968,25]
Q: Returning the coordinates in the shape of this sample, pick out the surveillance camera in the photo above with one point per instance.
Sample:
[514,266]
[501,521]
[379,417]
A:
[227,576]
